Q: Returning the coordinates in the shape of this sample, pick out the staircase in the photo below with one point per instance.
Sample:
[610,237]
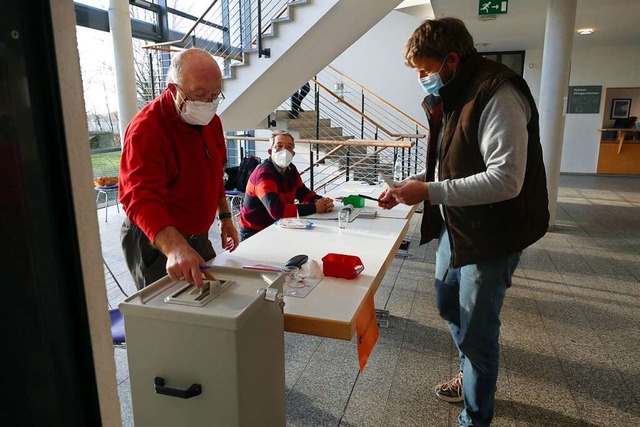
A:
[306,126]
[302,42]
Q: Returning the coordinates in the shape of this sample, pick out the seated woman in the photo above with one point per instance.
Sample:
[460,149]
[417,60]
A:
[273,188]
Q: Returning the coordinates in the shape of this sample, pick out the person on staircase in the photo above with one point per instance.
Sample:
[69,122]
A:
[296,100]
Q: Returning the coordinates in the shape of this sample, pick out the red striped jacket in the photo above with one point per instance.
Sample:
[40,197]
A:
[271,195]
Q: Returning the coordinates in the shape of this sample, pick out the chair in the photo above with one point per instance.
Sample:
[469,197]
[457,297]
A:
[105,179]
[117,328]
[117,320]
[236,184]
[235,199]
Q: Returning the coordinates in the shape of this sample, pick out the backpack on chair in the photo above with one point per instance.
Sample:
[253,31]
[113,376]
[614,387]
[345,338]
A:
[247,165]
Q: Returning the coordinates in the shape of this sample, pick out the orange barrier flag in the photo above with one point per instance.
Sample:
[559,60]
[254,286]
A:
[367,331]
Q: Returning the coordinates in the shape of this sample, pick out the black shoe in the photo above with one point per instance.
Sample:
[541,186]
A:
[293,114]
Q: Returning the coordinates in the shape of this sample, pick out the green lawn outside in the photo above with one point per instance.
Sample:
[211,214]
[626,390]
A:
[106,164]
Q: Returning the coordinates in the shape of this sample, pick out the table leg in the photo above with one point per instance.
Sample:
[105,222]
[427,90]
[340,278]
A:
[381,316]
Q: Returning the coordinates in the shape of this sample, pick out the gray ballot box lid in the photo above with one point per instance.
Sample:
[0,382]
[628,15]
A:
[225,304]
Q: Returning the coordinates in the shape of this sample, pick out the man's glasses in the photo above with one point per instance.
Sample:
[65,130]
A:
[219,96]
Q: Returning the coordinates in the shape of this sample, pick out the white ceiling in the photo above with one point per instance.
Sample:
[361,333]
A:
[616,22]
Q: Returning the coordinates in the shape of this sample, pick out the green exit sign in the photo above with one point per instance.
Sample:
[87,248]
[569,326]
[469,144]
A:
[493,7]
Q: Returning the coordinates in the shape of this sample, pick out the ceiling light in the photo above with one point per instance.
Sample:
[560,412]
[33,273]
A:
[585,31]
[481,44]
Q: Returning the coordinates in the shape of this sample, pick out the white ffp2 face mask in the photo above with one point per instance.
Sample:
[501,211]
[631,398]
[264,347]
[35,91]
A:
[199,112]
[282,159]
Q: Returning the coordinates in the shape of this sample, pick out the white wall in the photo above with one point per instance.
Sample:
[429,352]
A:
[376,61]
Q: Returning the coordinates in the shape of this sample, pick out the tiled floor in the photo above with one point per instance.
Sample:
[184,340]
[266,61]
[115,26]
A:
[570,330]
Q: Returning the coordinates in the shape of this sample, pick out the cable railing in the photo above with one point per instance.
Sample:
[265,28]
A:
[338,107]
[330,168]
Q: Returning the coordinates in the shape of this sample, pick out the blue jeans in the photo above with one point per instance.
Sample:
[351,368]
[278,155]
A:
[470,298]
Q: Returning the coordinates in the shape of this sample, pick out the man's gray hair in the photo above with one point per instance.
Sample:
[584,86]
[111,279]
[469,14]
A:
[174,75]
[281,132]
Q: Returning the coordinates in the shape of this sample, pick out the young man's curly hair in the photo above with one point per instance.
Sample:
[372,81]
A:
[435,38]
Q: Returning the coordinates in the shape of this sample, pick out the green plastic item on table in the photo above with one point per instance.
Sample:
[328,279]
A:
[355,201]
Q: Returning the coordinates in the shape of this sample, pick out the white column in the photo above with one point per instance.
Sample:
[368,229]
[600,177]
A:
[556,62]
[120,26]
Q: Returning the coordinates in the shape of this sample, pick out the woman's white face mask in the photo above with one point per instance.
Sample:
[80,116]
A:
[196,112]
[282,158]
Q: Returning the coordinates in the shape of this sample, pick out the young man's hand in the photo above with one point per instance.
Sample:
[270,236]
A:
[410,192]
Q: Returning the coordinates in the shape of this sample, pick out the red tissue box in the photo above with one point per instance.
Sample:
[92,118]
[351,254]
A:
[342,266]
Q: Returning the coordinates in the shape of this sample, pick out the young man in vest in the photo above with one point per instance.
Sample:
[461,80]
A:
[171,176]
[274,187]
[485,195]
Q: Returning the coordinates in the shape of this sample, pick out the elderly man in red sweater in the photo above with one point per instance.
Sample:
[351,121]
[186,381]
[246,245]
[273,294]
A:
[171,176]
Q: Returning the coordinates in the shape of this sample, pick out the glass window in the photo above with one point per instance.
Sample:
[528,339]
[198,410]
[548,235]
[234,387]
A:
[98,80]
[100,4]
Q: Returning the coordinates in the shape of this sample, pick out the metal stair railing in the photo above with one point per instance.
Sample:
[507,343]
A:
[327,169]
[350,110]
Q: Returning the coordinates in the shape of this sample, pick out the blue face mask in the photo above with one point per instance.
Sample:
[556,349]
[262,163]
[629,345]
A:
[432,83]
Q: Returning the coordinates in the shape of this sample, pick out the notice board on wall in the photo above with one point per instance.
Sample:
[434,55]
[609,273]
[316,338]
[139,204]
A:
[584,99]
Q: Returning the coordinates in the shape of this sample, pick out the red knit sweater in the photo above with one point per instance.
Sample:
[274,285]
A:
[171,172]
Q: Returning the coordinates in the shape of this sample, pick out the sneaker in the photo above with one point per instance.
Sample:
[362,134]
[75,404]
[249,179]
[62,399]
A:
[450,391]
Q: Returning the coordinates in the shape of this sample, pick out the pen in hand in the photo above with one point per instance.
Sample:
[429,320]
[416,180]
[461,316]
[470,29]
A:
[370,198]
